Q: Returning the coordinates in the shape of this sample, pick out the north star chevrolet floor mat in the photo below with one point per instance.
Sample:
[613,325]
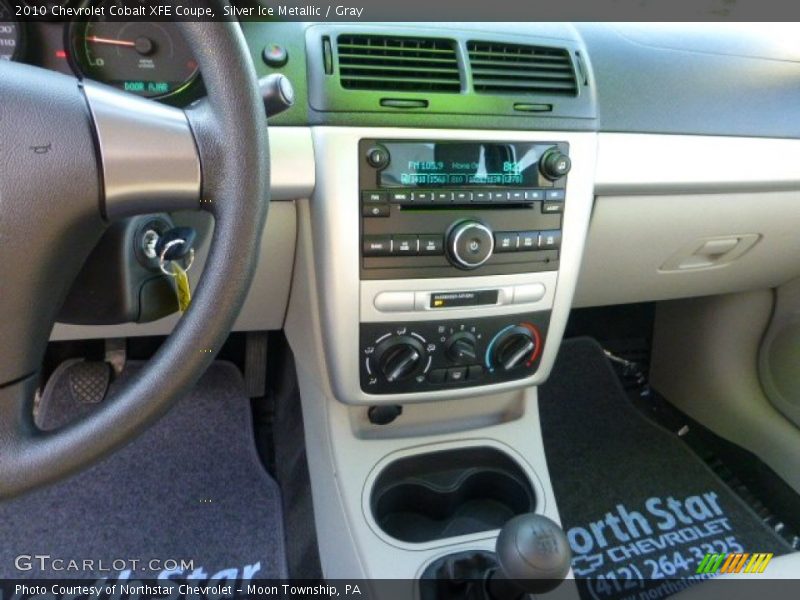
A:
[641,511]
[188,500]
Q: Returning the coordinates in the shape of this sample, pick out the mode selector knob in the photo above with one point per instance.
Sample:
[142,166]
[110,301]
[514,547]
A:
[400,358]
[469,244]
[554,164]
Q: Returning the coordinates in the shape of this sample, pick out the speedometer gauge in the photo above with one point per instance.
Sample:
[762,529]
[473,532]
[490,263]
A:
[10,33]
[148,59]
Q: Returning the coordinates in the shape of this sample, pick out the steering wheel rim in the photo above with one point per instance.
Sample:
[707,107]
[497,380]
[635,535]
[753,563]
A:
[229,133]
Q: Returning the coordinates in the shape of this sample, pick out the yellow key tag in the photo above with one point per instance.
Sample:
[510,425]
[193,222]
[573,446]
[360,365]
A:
[182,287]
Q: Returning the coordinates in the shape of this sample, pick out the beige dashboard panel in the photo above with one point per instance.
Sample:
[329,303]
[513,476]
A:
[656,247]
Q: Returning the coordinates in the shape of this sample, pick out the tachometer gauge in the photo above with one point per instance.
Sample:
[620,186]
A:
[148,59]
[10,33]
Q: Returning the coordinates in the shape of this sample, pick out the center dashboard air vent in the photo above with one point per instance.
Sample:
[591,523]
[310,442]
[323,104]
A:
[500,68]
[428,74]
[396,63]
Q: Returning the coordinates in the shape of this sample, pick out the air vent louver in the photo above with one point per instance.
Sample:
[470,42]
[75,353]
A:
[406,64]
[513,68]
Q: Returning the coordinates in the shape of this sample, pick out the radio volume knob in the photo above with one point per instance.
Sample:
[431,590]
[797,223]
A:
[554,164]
[469,244]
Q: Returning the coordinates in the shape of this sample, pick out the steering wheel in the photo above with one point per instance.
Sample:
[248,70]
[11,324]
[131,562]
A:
[75,156]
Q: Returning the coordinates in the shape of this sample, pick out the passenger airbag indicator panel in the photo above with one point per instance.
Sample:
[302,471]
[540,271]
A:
[461,299]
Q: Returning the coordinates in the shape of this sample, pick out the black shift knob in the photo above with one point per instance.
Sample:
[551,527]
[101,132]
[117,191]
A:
[533,556]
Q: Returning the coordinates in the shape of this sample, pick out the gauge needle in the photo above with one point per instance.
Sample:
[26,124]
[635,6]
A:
[100,40]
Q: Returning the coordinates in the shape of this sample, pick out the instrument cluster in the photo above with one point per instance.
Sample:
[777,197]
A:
[149,59]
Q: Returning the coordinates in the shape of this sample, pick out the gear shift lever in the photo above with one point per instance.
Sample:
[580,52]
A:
[533,556]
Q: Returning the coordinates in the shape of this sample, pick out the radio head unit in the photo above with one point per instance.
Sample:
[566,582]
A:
[447,208]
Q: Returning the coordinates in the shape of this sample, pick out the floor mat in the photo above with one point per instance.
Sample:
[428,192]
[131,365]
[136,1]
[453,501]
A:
[188,499]
[640,509]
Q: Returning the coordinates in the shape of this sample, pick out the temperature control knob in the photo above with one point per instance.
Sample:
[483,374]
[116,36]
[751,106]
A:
[514,346]
[554,164]
[400,358]
[469,244]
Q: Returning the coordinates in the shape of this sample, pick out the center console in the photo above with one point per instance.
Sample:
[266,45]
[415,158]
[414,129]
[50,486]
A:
[434,276]
[456,209]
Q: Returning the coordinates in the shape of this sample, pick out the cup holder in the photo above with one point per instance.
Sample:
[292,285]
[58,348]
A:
[450,493]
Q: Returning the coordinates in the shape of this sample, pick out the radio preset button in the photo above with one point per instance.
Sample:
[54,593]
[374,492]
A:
[505,241]
[404,244]
[550,240]
[500,196]
[528,240]
[394,301]
[443,196]
[536,195]
[480,196]
[377,245]
[516,196]
[556,194]
[463,196]
[423,196]
[430,244]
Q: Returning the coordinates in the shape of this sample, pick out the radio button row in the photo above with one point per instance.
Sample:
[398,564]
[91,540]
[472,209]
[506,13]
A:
[521,241]
[403,245]
[463,196]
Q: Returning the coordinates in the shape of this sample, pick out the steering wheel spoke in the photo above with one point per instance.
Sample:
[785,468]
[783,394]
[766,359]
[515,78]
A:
[149,158]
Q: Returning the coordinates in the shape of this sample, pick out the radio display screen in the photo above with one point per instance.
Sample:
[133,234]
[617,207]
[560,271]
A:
[461,164]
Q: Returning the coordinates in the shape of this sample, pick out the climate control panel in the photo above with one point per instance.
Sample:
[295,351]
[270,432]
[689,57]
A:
[436,355]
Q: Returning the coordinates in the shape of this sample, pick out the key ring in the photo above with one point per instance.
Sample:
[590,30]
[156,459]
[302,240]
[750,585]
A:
[162,261]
